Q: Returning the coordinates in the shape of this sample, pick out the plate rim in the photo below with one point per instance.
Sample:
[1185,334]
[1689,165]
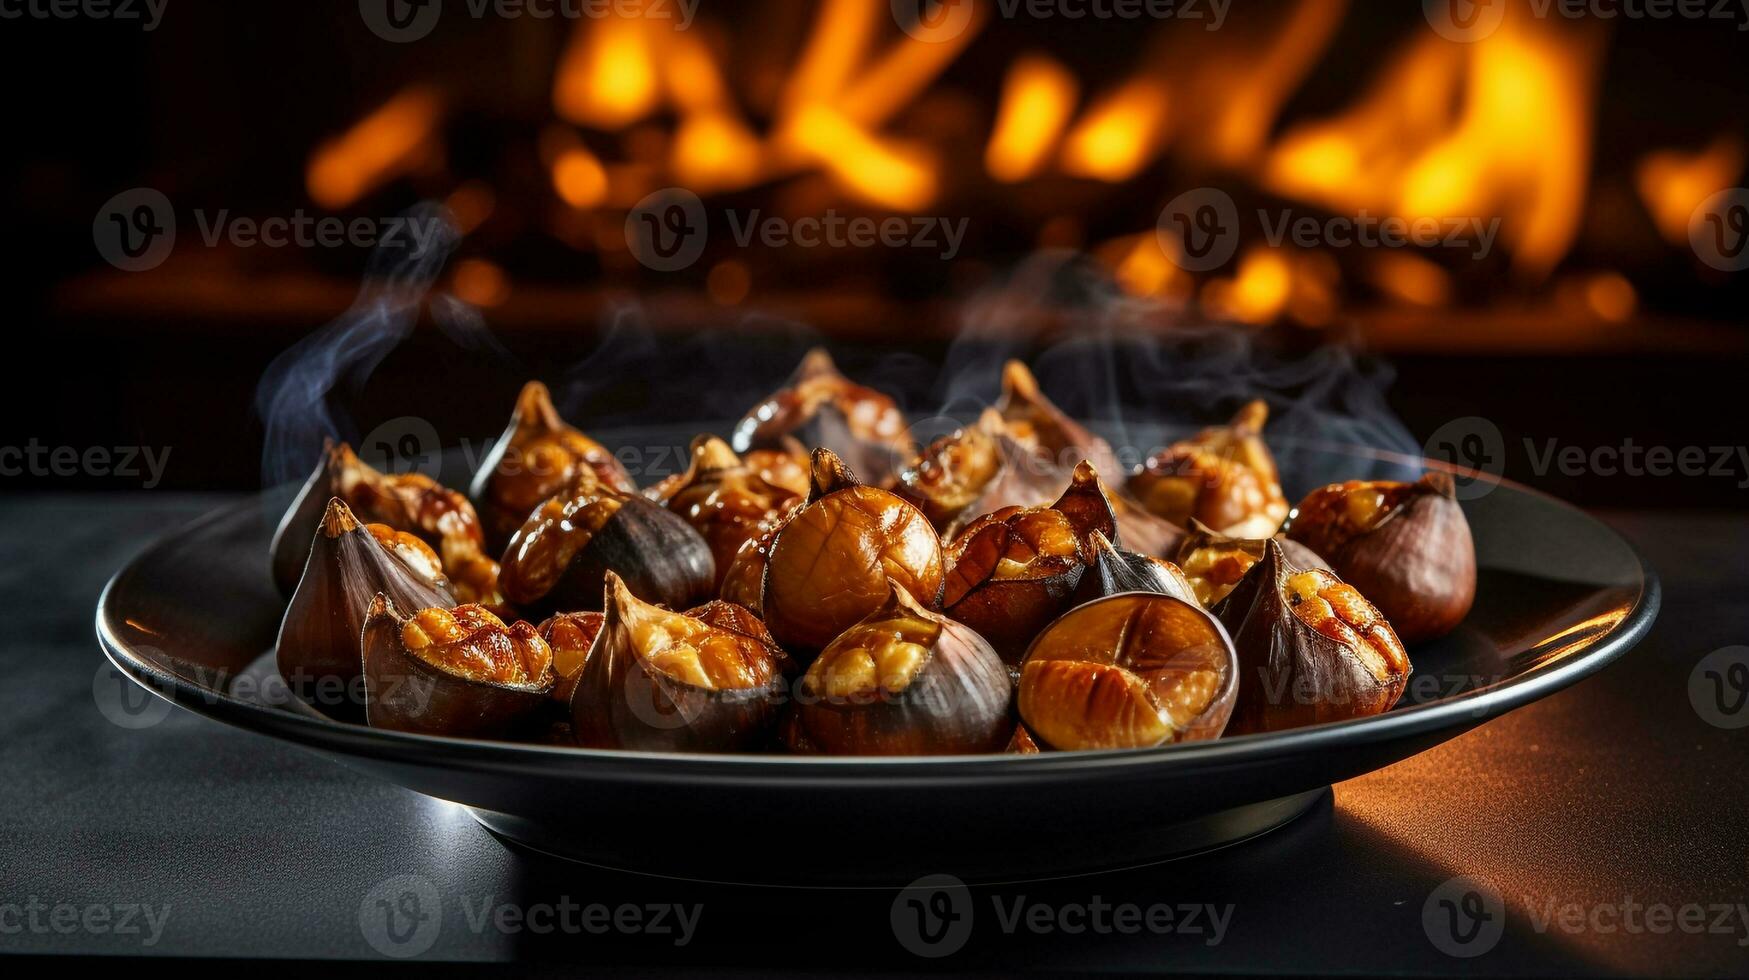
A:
[1458,712]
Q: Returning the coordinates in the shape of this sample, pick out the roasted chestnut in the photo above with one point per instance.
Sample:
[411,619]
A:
[349,564]
[1311,648]
[711,680]
[1011,572]
[1214,563]
[411,502]
[1405,546]
[821,408]
[538,457]
[1047,430]
[569,636]
[1224,476]
[1129,671]
[1022,743]
[458,672]
[725,500]
[1113,570]
[831,561]
[903,681]
[743,582]
[950,475]
[558,561]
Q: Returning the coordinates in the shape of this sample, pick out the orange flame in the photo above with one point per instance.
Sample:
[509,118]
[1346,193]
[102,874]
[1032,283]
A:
[379,147]
[607,78]
[1037,98]
[1673,184]
[876,170]
[1119,135]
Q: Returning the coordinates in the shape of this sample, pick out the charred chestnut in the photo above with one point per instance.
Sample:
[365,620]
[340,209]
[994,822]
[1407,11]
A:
[821,408]
[1129,671]
[559,560]
[1214,563]
[724,499]
[410,502]
[1114,570]
[711,680]
[831,561]
[570,636]
[1224,477]
[349,564]
[538,456]
[1011,572]
[950,475]
[903,681]
[1311,648]
[1405,546]
[459,672]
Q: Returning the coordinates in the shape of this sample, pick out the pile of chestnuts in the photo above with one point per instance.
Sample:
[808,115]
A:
[818,584]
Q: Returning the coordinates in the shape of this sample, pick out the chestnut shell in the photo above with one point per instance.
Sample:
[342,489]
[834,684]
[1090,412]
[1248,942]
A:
[1224,477]
[1291,674]
[1216,582]
[656,552]
[723,498]
[1417,565]
[820,408]
[405,693]
[1114,570]
[622,701]
[319,634]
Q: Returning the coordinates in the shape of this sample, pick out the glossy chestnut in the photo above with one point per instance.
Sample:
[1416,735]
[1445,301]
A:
[410,502]
[1214,563]
[538,456]
[570,636]
[459,672]
[1311,648]
[726,501]
[1047,430]
[559,560]
[903,681]
[1113,570]
[1405,546]
[349,564]
[709,680]
[1129,671]
[831,561]
[820,408]
[949,476]
[1223,476]
[1011,572]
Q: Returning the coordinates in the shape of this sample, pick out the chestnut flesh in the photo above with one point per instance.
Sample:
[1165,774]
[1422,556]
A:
[1311,648]
[1129,671]
[538,456]
[459,672]
[903,681]
[1223,476]
[559,560]
[831,561]
[349,564]
[1405,546]
[725,500]
[710,680]
[570,636]
[1011,572]
[1214,562]
[819,407]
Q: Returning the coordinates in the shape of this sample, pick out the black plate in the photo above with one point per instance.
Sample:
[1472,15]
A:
[1560,596]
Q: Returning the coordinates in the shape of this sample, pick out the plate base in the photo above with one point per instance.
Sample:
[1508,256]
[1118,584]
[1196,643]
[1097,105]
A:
[997,866]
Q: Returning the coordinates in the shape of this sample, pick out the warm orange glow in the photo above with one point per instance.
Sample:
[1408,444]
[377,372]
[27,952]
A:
[1409,278]
[906,69]
[728,282]
[869,167]
[1611,296]
[480,283]
[1119,135]
[1672,183]
[1142,268]
[715,151]
[381,146]
[1257,293]
[833,51]
[1037,98]
[579,178]
[690,74]
[471,204]
[607,78]
[1496,128]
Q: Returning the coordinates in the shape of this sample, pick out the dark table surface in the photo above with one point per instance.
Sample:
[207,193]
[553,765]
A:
[1612,819]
